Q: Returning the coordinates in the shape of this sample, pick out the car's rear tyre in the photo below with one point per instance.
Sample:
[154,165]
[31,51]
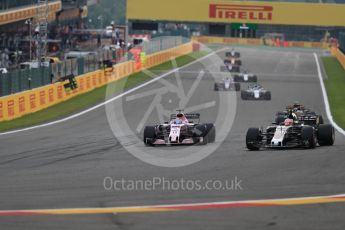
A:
[149,135]
[308,137]
[237,78]
[211,132]
[268,96]
[200,131]
[216,87]
[254,78]
[244,95]
[253,139]
[237,86]
[325,135]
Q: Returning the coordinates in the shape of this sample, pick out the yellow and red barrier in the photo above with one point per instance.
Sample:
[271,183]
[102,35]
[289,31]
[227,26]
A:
[339,55]
[167,55]
[17,105]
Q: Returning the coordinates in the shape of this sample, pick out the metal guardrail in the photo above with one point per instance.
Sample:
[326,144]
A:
[162,43]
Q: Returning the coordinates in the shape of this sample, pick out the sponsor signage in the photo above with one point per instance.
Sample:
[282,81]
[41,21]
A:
[51,95]
[33,101]
[10,108]
[21,104]
[241,12]
[244,26]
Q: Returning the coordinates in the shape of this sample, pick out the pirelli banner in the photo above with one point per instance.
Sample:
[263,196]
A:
[282,13]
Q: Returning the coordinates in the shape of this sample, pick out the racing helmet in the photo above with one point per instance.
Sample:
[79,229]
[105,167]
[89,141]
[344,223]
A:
[297,106]
[180,115]
[288,122]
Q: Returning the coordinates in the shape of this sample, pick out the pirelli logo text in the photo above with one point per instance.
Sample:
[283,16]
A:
[241,12]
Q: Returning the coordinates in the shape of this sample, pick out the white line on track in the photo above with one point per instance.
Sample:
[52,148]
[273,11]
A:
[111,99]
[325,98]
[256,73]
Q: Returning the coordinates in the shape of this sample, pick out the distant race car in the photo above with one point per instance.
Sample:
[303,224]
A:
[232,53]
[255,92]
[232,61]
[304,115]
[245,77]
[227,84]
[290,134]
[230,68]
[183,129]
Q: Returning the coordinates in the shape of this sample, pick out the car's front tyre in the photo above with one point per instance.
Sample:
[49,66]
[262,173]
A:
[325,135]
[308,137]
[149,135]
[253,139]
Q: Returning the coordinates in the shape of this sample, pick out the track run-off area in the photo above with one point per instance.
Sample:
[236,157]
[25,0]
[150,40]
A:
[54,173]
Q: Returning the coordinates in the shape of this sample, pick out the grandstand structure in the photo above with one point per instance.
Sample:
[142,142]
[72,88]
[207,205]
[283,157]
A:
[29,29]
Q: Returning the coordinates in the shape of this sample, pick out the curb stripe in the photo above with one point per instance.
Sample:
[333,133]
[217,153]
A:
[181,207]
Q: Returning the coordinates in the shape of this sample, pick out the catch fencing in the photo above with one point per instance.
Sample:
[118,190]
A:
[162,43]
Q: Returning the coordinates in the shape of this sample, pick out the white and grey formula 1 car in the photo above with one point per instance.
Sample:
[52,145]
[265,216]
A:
[291,134]
[245,77]
[255,92]
[233,54]
[232,61]
[227,84]
[230,68]
[183,129]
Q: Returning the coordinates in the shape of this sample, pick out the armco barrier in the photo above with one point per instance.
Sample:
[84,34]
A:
[339,55]
[17,105]
[255,41]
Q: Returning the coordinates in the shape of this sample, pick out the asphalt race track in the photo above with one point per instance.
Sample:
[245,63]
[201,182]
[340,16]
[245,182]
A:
[64,165]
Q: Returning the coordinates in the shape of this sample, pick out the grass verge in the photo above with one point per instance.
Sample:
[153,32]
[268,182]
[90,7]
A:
[93,97]
[335,86]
